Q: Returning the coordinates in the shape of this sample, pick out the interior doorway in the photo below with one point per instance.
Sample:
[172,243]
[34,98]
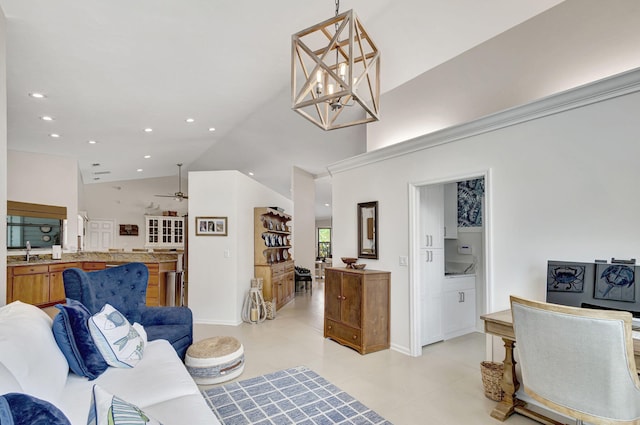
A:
[439,263]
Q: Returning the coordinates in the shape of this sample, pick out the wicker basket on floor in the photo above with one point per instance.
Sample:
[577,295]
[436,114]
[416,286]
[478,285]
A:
[492,379]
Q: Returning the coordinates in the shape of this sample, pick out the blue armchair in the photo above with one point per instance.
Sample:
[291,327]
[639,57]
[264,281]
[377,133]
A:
[125,288]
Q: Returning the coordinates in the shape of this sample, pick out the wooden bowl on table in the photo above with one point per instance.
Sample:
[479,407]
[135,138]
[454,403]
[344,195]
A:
[349,261]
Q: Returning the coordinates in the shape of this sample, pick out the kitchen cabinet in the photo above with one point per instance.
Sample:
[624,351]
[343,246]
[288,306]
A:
[459,305]
[37,284]
[157,283]
[451,211]
[356,308]
[164,232]
[432,216]
[431,280]
[272,260]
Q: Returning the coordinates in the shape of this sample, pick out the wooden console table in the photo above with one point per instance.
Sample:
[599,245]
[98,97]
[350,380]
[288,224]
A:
[501,324]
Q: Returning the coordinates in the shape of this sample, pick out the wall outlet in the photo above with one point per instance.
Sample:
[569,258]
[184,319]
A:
[404,261]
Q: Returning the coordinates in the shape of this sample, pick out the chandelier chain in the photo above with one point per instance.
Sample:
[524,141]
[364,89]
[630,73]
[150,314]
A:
[337,7]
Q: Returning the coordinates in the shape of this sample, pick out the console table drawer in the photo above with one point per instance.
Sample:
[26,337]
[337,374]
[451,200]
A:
[343,333]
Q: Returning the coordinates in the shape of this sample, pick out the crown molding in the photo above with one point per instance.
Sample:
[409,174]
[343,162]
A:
[597,91]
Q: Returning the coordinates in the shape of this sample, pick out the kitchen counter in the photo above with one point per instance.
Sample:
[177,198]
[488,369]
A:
[106,257]
[458,275]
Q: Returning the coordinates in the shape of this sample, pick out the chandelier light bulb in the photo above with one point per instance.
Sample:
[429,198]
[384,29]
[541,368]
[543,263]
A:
[342,70]
[330,89]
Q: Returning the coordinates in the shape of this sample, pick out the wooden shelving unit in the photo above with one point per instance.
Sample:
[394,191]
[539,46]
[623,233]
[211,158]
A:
[272,256]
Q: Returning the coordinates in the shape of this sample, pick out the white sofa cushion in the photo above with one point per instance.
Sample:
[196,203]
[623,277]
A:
[29,351]
[153,385]
[8,383]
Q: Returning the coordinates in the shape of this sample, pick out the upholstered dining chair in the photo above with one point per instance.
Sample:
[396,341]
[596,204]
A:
[578,362]
[125,288]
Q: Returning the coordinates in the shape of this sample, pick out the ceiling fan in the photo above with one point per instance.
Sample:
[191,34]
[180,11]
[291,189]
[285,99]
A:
[178,196]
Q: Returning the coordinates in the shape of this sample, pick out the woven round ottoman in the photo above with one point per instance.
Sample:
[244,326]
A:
[215,360]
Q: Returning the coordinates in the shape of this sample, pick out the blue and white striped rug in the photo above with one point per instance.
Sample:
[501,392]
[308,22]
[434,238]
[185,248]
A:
[291,396]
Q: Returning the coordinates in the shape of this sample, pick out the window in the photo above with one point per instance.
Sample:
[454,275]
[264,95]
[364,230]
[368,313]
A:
[40,225]
[324,242]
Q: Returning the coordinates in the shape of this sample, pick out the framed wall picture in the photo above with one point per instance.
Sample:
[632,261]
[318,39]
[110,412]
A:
[128,230]
[211,226]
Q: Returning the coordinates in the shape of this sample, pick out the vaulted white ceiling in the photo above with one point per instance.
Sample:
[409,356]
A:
[112,68]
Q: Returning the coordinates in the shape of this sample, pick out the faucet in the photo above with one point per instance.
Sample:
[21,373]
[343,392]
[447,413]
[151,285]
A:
[28,251]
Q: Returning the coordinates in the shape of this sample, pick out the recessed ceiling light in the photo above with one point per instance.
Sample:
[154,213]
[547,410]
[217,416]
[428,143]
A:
[212,129]
[92,142]
[147,156]
[37,95]
[148,130]
[139,170]
[326,205]
[250,173]
[46,118]
[54,135]
[189,120]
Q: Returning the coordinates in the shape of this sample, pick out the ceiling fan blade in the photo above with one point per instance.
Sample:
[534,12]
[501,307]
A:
[178,196]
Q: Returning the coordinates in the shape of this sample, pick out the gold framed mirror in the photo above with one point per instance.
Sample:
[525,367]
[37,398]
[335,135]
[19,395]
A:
[368,230]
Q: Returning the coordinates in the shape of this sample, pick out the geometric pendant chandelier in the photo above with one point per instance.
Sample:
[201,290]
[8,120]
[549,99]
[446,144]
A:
[335,73]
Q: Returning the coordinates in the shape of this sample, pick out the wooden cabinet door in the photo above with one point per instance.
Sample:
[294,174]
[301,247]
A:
[31,288]
[351,308]
[56,287]
[333,295]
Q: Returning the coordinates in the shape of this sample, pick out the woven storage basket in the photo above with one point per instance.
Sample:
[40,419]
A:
[492,379]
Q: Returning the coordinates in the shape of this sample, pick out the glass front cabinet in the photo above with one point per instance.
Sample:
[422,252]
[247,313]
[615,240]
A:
[164,232]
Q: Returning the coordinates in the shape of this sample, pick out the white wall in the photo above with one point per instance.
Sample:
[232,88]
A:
[3,156]
[56,184]
[560,186]
[219,282]
[127,202]
[542,56]
[304,195]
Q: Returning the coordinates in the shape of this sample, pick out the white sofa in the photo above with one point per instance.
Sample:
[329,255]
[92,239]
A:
[32,363]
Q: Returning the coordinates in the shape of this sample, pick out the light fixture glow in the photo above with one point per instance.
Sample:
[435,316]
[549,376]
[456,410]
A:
[344,73]
[148,130]
[212,129]
[326,205]
[189,120]
[46,118]
[92,142]
[250,173]
[139,170]
[37,95]
[54,135]
[147,156]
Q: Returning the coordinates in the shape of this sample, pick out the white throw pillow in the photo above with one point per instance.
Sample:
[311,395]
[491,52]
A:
[120,343]
[107,409]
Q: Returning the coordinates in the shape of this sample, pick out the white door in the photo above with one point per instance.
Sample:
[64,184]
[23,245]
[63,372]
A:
[431,275]
[100,235]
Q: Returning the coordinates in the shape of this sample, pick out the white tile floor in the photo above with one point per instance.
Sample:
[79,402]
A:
[441,387]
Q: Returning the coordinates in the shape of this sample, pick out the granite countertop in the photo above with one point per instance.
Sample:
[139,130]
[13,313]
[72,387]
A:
[107,257]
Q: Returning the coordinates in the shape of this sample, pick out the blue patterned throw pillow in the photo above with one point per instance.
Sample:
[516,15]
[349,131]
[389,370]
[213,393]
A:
[107,409]
[120,343]
[71,332]
[23,409]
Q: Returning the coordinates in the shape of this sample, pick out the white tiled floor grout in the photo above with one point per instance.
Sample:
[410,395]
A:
[441,387]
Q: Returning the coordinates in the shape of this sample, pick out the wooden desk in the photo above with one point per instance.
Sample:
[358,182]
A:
[501,324]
